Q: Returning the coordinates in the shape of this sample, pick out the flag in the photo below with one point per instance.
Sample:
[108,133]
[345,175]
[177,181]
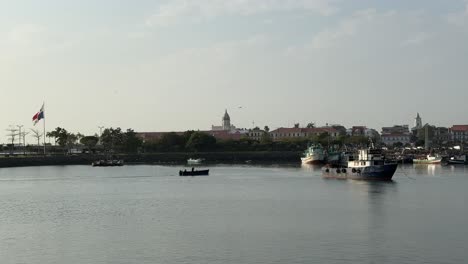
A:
[39,115]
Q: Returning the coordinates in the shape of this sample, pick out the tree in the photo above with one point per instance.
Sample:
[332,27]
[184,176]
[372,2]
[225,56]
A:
[60,135]
[131,142]
[296,125]
[172,141]
[266,128]
[112,138]
[311,125]
[201,142]
[89,141]
[265,139]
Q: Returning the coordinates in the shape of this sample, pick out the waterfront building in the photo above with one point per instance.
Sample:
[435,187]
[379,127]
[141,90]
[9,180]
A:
[459,133]
[396,134]
[256,134]
[301,133]
[356,131]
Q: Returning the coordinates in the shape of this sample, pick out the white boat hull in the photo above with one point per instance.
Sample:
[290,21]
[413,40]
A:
[313,159]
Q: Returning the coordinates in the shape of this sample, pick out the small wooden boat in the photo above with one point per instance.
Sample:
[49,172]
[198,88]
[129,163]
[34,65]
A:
[194,172]
[107,163]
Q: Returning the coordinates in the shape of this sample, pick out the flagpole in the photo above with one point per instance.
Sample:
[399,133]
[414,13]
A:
[43,120]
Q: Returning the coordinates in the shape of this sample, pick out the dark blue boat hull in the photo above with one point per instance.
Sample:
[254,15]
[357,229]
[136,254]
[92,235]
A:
[194,173]
[376,172]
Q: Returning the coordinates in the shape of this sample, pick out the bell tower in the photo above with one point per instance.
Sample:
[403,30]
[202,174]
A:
[226,121]
[418,122]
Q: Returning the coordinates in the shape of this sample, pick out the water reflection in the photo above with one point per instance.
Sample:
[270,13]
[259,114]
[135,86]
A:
[311,167]
[427,169]
[376,196]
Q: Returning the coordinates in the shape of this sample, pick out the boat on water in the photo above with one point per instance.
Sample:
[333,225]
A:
[107,163]
[428,159]
[194,161]
[194,172]
[460,159]
[333,156]
[313,154]
[369,165]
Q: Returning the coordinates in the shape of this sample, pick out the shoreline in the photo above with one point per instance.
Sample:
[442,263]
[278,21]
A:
[269,157]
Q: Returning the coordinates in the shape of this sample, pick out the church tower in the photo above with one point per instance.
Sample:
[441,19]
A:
[226,121]
[418,122]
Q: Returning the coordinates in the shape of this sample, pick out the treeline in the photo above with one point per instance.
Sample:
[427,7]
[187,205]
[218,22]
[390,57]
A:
[117,140]
[194,141]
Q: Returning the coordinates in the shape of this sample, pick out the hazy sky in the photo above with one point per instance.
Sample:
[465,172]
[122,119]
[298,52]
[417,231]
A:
[177,64]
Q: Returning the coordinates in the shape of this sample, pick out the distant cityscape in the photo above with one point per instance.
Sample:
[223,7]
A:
[395,135]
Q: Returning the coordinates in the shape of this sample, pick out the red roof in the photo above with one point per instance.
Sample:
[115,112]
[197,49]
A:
[287,130]
[460,128]
[318,130]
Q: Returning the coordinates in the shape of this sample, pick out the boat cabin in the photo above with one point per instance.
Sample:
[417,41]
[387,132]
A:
[367,157]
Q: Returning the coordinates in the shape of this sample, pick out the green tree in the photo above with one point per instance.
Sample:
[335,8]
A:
[201,142]
[60,136]
[311,125]
[172,142]
[265,139]
[89,141]
[112,138]
[131,142]
[71,140]
[266,128]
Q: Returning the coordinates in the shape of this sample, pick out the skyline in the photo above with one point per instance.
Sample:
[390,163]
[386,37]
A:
[176,65]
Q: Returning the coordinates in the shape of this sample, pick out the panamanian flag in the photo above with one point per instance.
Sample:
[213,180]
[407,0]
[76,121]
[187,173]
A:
[39,115]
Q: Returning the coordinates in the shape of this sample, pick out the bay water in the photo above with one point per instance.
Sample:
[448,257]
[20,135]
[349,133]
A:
[237,214]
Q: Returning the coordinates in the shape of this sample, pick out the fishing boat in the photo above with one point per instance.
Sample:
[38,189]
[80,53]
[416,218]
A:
[107,163]
[313,154]
[369,165]
[428,159]
[194,172]
[460,159]
[194,161]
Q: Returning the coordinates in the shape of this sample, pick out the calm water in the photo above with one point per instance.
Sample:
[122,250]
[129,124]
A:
[238,214]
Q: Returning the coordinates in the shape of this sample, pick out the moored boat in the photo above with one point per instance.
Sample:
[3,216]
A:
[107,163]
[428,159]
[460,159]
[370,165]
[313,154]
[194,161]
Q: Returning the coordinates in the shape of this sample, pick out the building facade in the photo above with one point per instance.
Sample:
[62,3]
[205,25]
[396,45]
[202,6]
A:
[396,134]
[459,133]
[283,133]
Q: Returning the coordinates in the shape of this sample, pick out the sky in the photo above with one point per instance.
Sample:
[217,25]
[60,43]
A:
[175,65]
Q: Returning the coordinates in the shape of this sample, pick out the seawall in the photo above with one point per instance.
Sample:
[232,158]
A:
[156,158]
